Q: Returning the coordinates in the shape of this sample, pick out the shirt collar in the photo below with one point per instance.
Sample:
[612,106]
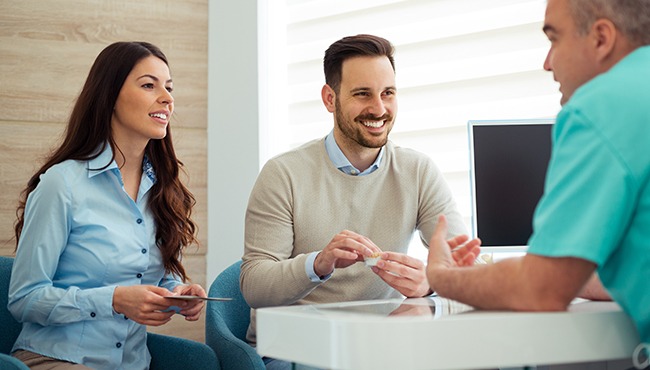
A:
[102,163]
[341,161]
[98,164]
[147,168]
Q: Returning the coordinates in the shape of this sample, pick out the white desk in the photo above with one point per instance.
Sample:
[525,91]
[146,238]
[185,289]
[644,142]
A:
[362,335]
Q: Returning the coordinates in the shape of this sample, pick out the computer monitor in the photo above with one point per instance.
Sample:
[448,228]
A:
[508,162]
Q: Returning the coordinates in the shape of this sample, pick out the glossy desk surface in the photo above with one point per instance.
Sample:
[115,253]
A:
[436,333]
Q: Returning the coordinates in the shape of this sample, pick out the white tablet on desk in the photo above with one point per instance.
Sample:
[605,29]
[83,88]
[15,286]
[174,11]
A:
[429,306]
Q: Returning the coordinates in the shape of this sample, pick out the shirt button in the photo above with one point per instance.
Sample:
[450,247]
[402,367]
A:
[118,344]
[92,314]
[138,275]
[144,251]
[139,221]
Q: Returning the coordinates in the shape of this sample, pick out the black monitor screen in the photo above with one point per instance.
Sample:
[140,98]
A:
[509,162]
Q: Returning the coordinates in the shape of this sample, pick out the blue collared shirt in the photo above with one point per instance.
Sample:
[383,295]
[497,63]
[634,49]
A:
[83,236]
[341,161]
[343,164]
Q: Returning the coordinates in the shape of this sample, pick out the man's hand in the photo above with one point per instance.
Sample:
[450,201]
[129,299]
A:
[404,273]
[408,275]
[345,249]
[455,252]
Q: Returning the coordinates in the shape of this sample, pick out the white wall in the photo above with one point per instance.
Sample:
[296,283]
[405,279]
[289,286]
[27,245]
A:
[233,127]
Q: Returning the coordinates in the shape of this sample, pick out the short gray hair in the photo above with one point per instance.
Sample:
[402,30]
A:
[631,17]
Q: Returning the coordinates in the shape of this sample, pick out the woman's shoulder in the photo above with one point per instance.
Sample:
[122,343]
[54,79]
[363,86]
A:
[65,173]
[69,167]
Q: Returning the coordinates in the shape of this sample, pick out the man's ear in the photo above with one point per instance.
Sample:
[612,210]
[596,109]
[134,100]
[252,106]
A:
[605,35]
[329,97]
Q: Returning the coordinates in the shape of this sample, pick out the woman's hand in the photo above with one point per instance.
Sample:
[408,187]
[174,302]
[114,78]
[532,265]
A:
[143,304]
[191,309]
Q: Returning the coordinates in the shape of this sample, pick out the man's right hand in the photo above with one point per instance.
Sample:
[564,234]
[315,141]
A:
[345,249]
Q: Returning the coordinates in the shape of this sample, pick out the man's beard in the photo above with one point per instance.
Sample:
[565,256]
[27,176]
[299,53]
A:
[351,131]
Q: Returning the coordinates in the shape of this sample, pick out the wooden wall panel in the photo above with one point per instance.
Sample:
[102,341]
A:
[23,146]
[46,50]
[48,47]
[191,148]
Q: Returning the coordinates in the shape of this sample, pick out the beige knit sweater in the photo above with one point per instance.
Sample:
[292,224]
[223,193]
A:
[301,200]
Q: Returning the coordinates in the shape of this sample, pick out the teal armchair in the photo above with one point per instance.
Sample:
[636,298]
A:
[226,323]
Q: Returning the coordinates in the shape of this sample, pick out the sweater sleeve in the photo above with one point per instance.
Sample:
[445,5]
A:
[436,199]
[271,274]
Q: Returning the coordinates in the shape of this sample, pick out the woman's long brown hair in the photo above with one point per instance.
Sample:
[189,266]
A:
[89,131]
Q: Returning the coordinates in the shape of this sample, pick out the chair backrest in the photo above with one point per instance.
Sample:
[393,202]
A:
[226,323]
[235,313]
[10,327]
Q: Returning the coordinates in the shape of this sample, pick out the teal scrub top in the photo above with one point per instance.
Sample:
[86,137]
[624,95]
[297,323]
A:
[596,204]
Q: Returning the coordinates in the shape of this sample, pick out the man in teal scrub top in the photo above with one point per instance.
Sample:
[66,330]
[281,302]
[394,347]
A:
[595,212]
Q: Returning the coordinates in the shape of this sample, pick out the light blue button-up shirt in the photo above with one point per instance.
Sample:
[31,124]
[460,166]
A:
[341,161]
[343,164]
[83,236]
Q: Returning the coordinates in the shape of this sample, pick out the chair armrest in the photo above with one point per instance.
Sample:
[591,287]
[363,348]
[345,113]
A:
[11,363]
[233,352]
[173,353]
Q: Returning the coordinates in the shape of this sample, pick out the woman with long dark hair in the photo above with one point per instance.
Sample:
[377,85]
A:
[102,225]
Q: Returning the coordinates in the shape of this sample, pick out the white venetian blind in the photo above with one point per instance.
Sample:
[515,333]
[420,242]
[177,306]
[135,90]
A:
[456,60]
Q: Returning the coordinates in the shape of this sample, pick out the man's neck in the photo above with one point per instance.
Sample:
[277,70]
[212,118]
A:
[360,157]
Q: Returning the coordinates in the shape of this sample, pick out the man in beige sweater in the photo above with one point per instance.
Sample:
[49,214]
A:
[317,211]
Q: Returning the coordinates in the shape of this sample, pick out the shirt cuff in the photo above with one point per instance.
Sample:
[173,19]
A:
[309,269]
[96,303]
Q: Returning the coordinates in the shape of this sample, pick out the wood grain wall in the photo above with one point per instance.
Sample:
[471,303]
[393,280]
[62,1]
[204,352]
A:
[46,50]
